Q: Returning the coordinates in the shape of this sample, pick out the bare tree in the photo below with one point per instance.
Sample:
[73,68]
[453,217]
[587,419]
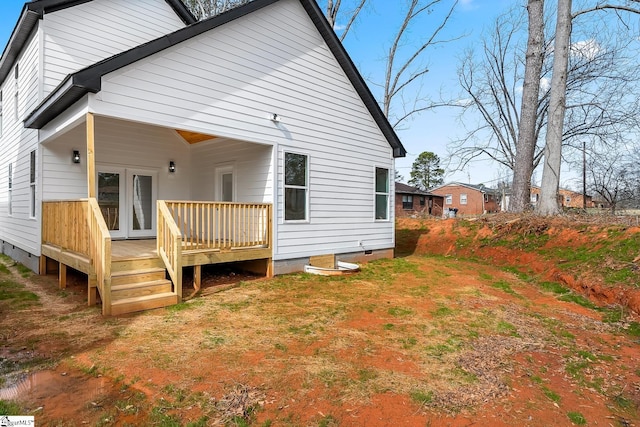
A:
[202,9]
[528,128]
[614,176]
[555,130]
[333,12]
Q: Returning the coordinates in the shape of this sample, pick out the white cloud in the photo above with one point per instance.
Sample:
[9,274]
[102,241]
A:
[339,27]
[588,49]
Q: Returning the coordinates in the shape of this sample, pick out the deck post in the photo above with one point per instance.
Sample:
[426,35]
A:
[62,276]
[42,269]
[197,277]
[92,289]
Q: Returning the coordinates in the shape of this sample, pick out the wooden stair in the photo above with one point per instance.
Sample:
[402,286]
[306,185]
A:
[140,284]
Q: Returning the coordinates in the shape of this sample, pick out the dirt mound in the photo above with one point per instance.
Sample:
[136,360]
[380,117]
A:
[599,259]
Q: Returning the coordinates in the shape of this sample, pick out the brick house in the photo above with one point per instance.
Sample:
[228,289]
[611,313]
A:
[413,201]
[469,199]
[566,198]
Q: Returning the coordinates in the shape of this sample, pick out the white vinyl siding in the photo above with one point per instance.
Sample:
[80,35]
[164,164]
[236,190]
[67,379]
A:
[229,81]
[17,226]
[10,190]
[1,111]
[78,36]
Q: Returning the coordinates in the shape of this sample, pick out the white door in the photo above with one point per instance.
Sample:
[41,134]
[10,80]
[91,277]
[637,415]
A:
[225,184]
[141,203]
[127,199]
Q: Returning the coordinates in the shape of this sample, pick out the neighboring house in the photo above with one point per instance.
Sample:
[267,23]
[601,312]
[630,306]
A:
[468,199]
[135,142]
[566,198]
[411,201]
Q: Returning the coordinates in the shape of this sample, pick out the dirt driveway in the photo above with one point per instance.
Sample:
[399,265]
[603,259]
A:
[412,341]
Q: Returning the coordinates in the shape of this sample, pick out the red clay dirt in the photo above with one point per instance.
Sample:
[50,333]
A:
[299,351]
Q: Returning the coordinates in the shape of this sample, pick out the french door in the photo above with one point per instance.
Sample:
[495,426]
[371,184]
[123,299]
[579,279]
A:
[127,199]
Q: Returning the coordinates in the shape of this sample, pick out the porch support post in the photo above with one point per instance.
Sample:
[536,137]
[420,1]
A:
[92,288]
[42,270]
[197,277]
[91,160]
[62,276]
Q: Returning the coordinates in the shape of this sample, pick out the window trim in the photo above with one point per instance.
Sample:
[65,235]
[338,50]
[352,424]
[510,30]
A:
[466,198]
[448,199]
[32,184]
[377,193]
[285,186]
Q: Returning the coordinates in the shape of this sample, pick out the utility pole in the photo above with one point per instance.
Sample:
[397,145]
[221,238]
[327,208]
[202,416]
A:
[584,175]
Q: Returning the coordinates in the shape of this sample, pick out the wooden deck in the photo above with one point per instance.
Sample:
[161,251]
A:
[140,274]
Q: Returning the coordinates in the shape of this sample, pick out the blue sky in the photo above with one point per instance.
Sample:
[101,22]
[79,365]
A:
[367,44]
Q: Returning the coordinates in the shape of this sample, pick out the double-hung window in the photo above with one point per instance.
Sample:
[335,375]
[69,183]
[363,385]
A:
[382,193]
[407,202]
[448,199]
[296,187]
[32,185]
[463,199]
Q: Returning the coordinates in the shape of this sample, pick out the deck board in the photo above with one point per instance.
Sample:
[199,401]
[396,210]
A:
[133,249]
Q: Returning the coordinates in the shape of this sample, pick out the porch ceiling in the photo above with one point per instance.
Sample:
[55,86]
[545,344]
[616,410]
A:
[194,137]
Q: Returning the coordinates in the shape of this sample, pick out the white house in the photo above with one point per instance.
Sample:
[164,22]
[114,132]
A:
[136,142]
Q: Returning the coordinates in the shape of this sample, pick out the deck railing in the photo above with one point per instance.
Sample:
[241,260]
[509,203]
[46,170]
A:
[169,245]
[222,225]
[100,252]
[64,224]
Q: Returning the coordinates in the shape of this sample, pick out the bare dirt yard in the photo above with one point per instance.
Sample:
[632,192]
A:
[490,322]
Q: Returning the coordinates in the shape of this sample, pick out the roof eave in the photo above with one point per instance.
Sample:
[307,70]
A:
[19,36]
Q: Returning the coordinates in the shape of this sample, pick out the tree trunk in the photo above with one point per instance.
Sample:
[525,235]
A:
[553,149]
[526,144]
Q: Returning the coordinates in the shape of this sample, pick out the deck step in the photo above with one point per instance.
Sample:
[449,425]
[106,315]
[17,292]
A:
[140,289]
[130,305]
[135,264]
[137,276]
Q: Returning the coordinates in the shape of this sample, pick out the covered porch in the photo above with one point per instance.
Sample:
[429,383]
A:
[128,232]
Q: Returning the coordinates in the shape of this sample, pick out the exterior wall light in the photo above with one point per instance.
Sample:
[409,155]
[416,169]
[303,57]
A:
[275,118]
[172,166]
[76,156]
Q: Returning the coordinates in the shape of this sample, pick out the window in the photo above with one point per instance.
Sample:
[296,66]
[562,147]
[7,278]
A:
[421,200]
[407,202]
[295,187]
[448,199]
[10,207]
[463,199]
[382,193]
[486,197]
[32,184]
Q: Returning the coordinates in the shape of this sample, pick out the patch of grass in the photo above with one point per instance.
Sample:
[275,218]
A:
[388,326]
[399,311]
[633,329]
[366,374]
[16,295]
[23,271]
[554,287]
[184,305]
[8,407]
[211,341]
[201,422]
[577,418]
[419,291]
[421,397]
[160,417]
[4,269]
[552,395]
[283,348]
[408,343]
[328,421]
[504,286]
[485,276]
[518,273]
[506,328]
[442,311]
[578,299]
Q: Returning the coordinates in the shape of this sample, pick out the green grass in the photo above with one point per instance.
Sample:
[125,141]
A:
[421,397]
[16,296]
[399,311]
[506,328]
[10,408]
[552,395]
[577,418]
[504,286]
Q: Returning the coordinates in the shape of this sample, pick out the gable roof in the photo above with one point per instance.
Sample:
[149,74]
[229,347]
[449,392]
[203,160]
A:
[89,79]
[407,189]
[481,188]
[35,10]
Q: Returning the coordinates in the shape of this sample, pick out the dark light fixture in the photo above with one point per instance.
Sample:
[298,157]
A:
[76,156]
[172,166]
